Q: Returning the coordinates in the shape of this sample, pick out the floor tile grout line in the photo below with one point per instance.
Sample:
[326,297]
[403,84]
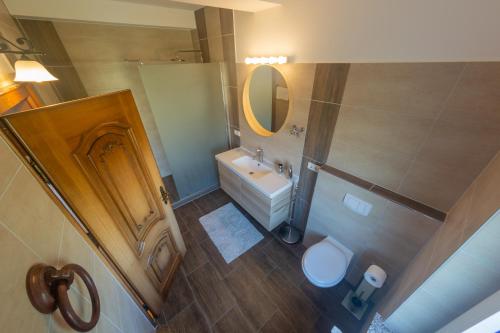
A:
[224,314]
[268,320]
[293,255]
[178,313]
[196,302]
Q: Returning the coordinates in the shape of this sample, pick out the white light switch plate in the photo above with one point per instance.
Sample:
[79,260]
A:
[313,167]
[357,205]
[236,132]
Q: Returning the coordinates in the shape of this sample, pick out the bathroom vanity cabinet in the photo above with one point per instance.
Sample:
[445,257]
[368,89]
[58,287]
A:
[269,209]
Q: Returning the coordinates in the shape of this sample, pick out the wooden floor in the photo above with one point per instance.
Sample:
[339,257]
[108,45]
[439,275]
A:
[264,290]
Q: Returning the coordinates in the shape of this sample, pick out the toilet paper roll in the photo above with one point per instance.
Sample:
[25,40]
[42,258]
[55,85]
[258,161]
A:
[375,276]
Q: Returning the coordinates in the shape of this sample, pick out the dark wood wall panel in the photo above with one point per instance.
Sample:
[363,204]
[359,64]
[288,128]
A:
[328,89]
[45,38]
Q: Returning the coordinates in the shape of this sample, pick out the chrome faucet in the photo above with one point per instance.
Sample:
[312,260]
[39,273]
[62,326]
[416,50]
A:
[259,155]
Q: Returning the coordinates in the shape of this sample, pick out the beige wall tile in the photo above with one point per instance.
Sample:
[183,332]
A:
[412,87]
[385,130]
[105,326]
[452,252]
[81,306]
[390,236]
[16,312]
[424,130]
[409,224]
[486,199]
[451,158]
[466,278]
[29,212]
[109,292]
[384,168]
[107,42]
[434,184]
[74,250]
[475,99]
[9,166]
[132,320]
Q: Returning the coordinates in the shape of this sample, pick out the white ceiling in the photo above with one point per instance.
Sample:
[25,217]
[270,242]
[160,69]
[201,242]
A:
[105,11]
[166,3]
[243,5]
[160,13]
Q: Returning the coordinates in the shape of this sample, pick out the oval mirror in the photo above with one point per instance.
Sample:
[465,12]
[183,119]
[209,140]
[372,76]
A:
[266,101]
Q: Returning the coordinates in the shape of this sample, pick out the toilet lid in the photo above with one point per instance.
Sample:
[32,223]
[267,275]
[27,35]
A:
[324,264]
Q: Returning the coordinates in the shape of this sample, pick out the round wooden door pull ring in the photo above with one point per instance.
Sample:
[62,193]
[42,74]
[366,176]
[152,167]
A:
[48,287]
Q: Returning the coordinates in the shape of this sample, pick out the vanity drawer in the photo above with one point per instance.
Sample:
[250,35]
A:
[257,198]
[268,212]
[230,182]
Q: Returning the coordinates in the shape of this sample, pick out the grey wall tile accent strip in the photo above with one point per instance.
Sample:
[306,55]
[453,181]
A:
[388,194]
[328,88]
[46,39]
[320,127]
[232,106]
[226,21]
[307,180]
[301,213]
[205,50]
[201,26]
[228,48]
[329,82]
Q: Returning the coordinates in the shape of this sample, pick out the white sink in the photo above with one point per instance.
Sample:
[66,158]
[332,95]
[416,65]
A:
[251,167]
[260,175]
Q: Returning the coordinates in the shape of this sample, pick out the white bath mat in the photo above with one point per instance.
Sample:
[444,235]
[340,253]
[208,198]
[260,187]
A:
[230,231]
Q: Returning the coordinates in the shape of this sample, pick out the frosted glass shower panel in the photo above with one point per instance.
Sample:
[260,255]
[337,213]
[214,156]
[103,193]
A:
[188,107]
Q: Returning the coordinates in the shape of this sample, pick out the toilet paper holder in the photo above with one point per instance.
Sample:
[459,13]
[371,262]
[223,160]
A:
[356,301]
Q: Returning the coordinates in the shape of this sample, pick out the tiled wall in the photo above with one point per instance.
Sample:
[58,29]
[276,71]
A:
[390,236]
[98,52]
[422,130]
[469,276]
[34,230]
[474,208]
[216,37]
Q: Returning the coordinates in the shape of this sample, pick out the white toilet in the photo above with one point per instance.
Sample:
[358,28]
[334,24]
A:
[325,263]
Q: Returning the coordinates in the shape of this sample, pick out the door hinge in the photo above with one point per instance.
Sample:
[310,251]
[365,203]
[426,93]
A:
[38,170]
[164,195]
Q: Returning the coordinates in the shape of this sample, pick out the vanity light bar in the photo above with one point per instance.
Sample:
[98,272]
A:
[265,60]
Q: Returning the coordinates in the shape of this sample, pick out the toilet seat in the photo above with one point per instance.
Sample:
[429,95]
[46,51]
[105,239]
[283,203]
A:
[324,264]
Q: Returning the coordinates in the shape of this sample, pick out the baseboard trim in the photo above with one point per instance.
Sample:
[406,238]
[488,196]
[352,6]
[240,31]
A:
[195,196]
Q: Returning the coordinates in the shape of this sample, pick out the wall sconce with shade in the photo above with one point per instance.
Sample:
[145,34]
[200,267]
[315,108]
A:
[27,70]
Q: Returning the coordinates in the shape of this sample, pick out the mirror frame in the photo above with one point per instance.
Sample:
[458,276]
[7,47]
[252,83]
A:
[247,107]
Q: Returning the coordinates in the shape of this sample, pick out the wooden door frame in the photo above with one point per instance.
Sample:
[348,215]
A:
[22,97]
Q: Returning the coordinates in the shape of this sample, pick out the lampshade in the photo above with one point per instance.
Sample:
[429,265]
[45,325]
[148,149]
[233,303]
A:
[32,71]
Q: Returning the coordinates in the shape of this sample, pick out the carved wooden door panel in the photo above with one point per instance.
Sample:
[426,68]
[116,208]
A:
[95,151]
[113,163]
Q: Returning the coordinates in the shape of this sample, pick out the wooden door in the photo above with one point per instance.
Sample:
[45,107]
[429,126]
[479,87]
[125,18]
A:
[96,153]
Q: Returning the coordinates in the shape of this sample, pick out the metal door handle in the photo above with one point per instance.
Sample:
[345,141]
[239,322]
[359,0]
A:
[48,288]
